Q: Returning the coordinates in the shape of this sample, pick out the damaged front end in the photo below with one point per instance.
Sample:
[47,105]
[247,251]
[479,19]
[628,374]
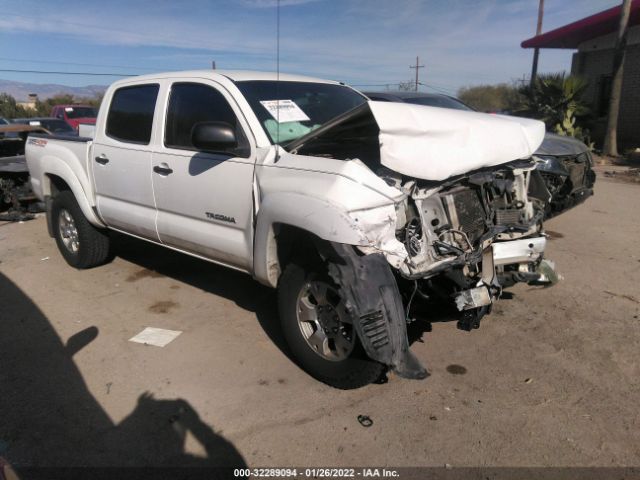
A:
[469,237]
[463,231]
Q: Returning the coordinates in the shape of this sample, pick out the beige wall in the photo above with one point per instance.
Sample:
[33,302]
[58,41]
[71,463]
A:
[29,105]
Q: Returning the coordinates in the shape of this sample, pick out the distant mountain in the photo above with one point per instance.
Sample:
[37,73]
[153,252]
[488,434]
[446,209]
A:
[20,91]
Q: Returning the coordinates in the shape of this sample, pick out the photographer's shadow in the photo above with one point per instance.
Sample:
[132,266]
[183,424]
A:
[50,419]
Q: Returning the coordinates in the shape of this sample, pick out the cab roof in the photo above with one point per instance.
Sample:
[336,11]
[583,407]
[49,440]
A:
[233,75]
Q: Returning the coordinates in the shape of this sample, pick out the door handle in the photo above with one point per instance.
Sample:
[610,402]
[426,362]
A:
[102,159]
[163,169]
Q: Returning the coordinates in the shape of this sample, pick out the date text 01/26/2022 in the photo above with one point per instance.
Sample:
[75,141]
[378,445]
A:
[315,473]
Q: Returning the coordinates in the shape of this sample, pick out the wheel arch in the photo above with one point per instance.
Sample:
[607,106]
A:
[57,177]
[286,222]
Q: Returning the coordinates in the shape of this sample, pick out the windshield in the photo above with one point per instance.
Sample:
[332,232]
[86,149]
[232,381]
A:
[437,101]
[81,112]
[300,107]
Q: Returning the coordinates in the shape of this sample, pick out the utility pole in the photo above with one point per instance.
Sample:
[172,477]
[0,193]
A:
[611,137]
[536,52]
[417,66]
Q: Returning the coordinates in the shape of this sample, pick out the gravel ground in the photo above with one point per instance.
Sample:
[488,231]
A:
[550,378]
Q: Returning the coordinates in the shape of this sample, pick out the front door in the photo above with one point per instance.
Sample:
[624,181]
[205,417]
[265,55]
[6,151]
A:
[121,162]
[204,199]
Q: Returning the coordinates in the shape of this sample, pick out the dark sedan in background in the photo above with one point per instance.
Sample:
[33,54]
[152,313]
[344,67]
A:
[565,163]
[53,125]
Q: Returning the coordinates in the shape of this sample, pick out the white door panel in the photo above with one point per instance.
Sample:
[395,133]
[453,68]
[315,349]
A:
[204,201]
[205,205]
[121,163]
[124,191]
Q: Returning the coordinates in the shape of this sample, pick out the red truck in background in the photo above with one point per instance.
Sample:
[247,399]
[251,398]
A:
[74,115]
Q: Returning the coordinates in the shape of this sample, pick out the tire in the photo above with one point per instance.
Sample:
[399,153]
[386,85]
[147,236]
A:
[350,367]
[81,244]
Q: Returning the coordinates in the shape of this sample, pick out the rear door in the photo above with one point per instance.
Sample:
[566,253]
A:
[122,161]
[204,199]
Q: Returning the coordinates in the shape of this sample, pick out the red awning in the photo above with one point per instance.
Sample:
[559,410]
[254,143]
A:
[572,35]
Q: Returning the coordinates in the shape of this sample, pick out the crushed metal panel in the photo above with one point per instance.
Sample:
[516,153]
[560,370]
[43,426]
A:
[519,251]
[375,305]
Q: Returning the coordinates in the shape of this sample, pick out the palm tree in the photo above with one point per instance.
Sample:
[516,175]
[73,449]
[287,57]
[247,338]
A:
[556,99]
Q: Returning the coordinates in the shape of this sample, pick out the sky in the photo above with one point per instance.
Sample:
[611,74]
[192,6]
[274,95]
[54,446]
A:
[365,43]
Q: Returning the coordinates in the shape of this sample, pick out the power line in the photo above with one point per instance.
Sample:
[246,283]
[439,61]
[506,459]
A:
[431,86]
[104,74]
[373,84]
[96,74]
[55,62]
[439,90]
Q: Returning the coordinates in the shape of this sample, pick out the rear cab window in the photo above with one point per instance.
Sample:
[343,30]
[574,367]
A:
[130,117]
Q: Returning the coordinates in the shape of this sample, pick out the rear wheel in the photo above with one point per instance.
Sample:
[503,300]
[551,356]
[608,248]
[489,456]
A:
[81,244]
[320,331]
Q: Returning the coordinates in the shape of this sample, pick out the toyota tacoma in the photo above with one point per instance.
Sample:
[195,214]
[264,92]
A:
[354,210]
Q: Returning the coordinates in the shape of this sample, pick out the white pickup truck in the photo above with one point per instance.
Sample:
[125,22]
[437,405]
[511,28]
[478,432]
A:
[359,212]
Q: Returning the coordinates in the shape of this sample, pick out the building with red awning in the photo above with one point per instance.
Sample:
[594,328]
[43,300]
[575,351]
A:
[594,39]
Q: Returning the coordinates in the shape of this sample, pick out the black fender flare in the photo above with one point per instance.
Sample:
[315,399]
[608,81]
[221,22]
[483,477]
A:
[373,301]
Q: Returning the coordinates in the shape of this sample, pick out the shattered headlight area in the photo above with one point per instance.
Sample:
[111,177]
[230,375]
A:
[569,179]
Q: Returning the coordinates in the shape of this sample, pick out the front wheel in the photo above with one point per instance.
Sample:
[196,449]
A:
[320,332]
[81,244]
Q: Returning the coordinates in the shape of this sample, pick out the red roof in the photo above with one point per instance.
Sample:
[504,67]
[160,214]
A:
[572,35]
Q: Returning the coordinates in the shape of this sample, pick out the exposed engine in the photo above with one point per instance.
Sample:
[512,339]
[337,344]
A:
[455,221]
[471,236]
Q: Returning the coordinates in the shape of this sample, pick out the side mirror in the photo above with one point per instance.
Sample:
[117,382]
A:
[60,116]
[213,136]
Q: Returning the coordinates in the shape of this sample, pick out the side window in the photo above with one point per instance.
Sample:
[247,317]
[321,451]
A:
[191,103]
[131,113]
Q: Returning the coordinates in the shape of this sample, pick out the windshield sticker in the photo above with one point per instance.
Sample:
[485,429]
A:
[285,111]
[68,109]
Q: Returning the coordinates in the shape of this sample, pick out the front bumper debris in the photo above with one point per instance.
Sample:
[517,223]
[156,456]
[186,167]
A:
[526,250]
[473,298]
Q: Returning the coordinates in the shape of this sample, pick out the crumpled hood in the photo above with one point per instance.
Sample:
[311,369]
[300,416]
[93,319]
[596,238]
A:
[437,143]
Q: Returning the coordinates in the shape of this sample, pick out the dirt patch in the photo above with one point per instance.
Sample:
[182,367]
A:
[630,159]
[553,235]
[579,351]
[162,306]
[620,295]
[456,369]
[144,273]
[631,175]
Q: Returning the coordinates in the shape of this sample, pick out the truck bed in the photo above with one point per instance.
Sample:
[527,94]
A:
[72,150]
